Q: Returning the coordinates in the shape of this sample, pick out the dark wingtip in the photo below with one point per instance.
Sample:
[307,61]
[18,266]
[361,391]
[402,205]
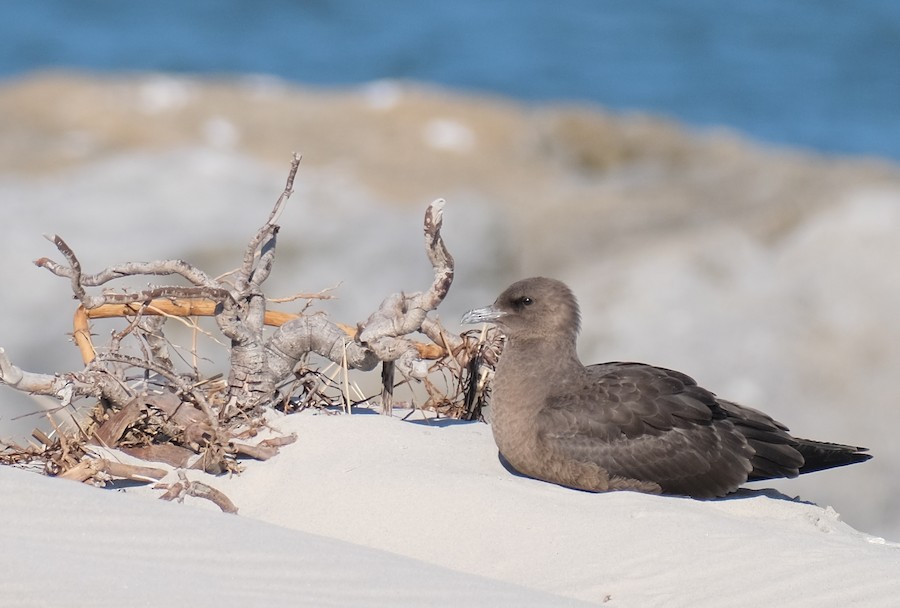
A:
[819,455]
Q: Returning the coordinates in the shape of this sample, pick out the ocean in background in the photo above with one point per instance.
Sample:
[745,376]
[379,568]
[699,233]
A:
[820,75]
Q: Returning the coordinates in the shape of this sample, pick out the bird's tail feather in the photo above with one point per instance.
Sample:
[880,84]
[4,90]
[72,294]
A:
[821,455]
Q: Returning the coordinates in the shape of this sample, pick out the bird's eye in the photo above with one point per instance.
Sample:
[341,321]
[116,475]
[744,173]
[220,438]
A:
[527,301]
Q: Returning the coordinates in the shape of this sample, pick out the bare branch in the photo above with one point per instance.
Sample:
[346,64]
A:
[96,468]
[182,488]
[157,268]
[13,376]
[63,387]
[400,314]
[74,269]
[288,189]
[320,295]
[314,333]
[266,234]
[150,329]
[266,260]
[441,260]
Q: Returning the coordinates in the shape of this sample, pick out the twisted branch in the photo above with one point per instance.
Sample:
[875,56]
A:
[401,314]
[160,267]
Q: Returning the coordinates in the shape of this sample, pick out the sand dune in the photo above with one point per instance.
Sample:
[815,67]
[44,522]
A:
[367,510]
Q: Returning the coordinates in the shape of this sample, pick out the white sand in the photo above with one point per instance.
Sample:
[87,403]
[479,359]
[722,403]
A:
[462,529]
[70,545]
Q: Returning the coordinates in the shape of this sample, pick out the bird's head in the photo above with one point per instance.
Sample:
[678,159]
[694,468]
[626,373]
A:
[535,308]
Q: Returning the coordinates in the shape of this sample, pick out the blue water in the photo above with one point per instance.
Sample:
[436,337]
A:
[819,74]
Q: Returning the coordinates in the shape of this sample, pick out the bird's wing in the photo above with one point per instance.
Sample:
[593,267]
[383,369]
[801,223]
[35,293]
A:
[651,424]
[776,453]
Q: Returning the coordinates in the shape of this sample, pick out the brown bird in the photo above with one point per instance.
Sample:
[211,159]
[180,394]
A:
[624,426]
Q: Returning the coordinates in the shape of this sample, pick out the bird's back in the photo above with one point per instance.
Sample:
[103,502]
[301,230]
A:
[645,422]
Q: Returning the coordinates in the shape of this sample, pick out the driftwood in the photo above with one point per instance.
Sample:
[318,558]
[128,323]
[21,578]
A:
[94,468]
[151,408]
[183,487]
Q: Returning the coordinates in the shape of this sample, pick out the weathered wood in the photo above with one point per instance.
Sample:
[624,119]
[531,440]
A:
[112,429]
[182,488]
[167,453]
[146,400]
[200,307]
[277,442]
[387,388]
[257,452]
[91,467]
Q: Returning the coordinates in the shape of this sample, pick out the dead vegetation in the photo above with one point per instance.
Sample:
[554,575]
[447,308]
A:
[157,407]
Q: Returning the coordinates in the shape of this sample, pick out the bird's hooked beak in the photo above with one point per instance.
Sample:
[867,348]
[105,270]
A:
[488,314]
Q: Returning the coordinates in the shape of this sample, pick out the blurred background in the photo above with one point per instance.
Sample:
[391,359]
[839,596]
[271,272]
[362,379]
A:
[820,75]
[718,183]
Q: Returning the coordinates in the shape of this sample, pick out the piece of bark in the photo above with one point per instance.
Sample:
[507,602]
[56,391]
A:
[112,429]
[167,453]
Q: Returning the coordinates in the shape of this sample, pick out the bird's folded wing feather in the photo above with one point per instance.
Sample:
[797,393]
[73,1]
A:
[648,423]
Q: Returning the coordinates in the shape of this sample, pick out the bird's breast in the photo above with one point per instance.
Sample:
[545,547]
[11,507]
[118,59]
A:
[515,400]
